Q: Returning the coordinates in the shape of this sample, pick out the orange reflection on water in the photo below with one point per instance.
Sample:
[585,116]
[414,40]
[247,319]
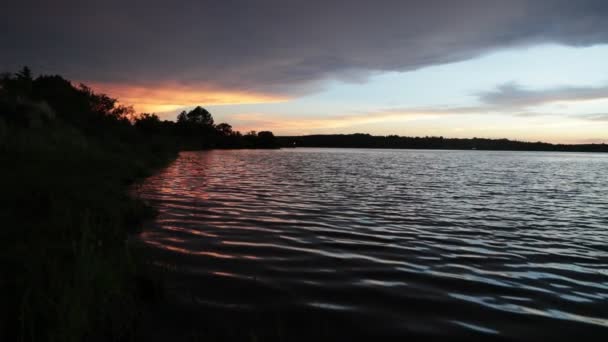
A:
[147,238]
[224,274]
[244,243]
[190,231]
[172,183]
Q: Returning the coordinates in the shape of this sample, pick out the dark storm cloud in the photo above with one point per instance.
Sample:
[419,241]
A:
[283,47]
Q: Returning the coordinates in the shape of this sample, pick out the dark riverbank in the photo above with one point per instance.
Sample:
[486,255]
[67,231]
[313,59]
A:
[68,158]
[67,272]
[432,143]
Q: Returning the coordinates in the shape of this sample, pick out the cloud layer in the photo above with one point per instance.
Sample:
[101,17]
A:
[512,95]
[276,47]
[507,99]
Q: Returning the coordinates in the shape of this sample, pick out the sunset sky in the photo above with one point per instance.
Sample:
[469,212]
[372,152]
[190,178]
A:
[530,70]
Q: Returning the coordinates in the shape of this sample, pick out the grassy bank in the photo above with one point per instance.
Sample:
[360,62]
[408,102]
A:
[67,274]
[68,156]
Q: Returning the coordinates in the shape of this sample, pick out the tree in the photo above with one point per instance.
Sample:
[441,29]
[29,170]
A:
[123,112]
[23,81]
[266,139]
[182,118]
[148,122]
[224,129]
[200,116]
[25,74]
[250,139]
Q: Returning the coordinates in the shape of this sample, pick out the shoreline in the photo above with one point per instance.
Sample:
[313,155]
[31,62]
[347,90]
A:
[70,156]
[360,140]
[439,149]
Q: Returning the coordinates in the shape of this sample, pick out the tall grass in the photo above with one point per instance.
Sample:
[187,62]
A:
[67,158]
[67,273]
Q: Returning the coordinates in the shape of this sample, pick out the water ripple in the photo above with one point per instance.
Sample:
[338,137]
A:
[451,243]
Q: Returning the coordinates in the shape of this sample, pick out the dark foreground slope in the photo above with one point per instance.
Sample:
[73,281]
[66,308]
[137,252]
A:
[65,213]
[393,141]
[67,274]
[68,157]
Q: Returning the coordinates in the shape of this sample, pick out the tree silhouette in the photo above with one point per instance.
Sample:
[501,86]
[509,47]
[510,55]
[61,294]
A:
[182,118]
[266,139]
[224,129]
[23,82]
[200,116]
[25,74]
[148,122]
[34,101]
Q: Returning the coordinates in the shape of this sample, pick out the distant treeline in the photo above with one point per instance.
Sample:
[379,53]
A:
[393,141]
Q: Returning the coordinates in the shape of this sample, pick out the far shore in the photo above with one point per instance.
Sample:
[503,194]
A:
[359,140]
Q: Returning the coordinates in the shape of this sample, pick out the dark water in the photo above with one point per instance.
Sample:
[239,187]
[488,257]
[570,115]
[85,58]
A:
[509,245]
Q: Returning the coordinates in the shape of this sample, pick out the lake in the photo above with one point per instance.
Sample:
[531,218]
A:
[361,242]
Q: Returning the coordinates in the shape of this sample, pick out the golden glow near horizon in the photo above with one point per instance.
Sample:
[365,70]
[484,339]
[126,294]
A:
[547,93]
[562,99]
[172,97]
[257,121]
[490,126]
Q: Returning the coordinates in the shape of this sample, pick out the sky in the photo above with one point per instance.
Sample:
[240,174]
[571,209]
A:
[519,69]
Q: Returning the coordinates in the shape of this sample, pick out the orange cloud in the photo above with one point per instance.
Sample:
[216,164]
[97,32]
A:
[171,97]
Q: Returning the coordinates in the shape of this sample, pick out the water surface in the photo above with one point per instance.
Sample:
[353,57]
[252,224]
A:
[509,245]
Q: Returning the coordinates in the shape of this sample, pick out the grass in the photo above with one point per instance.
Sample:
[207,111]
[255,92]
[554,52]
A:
[67,273]
[67,158]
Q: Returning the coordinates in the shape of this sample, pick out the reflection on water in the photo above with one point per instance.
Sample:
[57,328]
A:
[452,243]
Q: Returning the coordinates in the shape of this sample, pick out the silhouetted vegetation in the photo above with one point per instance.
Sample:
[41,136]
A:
[393,141]
[68,157]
